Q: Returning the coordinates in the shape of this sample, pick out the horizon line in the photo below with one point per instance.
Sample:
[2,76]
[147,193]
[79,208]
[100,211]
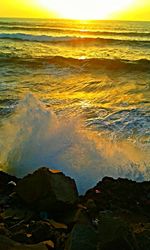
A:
[69,19]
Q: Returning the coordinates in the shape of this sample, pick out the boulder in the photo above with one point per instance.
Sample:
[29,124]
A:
[47,190]
[7,183]
[114,194]
[82,236]
[114,233]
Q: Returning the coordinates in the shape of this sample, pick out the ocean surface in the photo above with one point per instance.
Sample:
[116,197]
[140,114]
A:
[75,96]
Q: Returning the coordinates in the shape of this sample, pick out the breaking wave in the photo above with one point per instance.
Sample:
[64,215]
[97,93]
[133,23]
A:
[84,64]
[35,136]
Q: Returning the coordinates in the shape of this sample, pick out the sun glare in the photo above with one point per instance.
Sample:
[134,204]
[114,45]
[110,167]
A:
[85,9]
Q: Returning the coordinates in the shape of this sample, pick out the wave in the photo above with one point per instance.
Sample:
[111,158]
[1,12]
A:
[84,64]
[73,39]
[28,37]
[77,31]
[97,63]
[35,136]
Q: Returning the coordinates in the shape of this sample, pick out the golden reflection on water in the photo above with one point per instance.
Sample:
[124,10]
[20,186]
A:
[82,91]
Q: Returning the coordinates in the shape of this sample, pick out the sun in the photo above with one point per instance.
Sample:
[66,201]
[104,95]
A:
[85,9]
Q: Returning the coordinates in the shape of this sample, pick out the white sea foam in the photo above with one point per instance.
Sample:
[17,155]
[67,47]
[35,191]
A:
[34,136]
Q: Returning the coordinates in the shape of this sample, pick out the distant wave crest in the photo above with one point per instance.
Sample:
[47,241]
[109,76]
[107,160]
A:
[62,30]
[72,39]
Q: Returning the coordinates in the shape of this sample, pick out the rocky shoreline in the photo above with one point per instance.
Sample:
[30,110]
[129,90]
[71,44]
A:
[44,211]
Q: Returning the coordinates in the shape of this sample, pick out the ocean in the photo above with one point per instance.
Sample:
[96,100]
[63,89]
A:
[75,96]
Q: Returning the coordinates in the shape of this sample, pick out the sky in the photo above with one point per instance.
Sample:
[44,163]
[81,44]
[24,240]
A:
[77,9]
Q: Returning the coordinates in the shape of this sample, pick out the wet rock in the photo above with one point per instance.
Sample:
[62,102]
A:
[47,190]
[81,237]
[114,233]
[8,244]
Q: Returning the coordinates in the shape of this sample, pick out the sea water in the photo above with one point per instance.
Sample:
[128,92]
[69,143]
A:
[75,96]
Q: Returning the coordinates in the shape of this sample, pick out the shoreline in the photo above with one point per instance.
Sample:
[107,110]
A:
[43,210]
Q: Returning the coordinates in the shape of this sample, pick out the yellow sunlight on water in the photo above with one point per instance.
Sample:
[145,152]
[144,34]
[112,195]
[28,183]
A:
[86,9]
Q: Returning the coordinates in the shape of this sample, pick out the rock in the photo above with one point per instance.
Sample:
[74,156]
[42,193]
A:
[7,244]
[114,233]
[91,208]
[111,194]
[17,214]
[44,231]
[4,230]
[6,181]
[82,237]
[142,233]
[77,215]
[49,244]
[58,225]
[41,231]
[22,237]
[12,183]
[47,190]
[43,215]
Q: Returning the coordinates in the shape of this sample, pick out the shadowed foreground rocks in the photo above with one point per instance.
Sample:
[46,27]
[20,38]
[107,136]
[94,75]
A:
[44,211]
[47,190]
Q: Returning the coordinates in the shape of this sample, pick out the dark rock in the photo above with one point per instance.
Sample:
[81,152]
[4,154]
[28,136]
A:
[91,208]
[142,233]
[8,244]
[6,180]
[4,230]
[57,225]
[43,215]
[21,237]
[114,234]
[111,194]
[47,190]
[113,215]
[82,237]
[41,231]
[49,244]
[17,214]
[76,215]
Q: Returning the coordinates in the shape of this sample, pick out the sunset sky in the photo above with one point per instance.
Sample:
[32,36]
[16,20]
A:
[77,9]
